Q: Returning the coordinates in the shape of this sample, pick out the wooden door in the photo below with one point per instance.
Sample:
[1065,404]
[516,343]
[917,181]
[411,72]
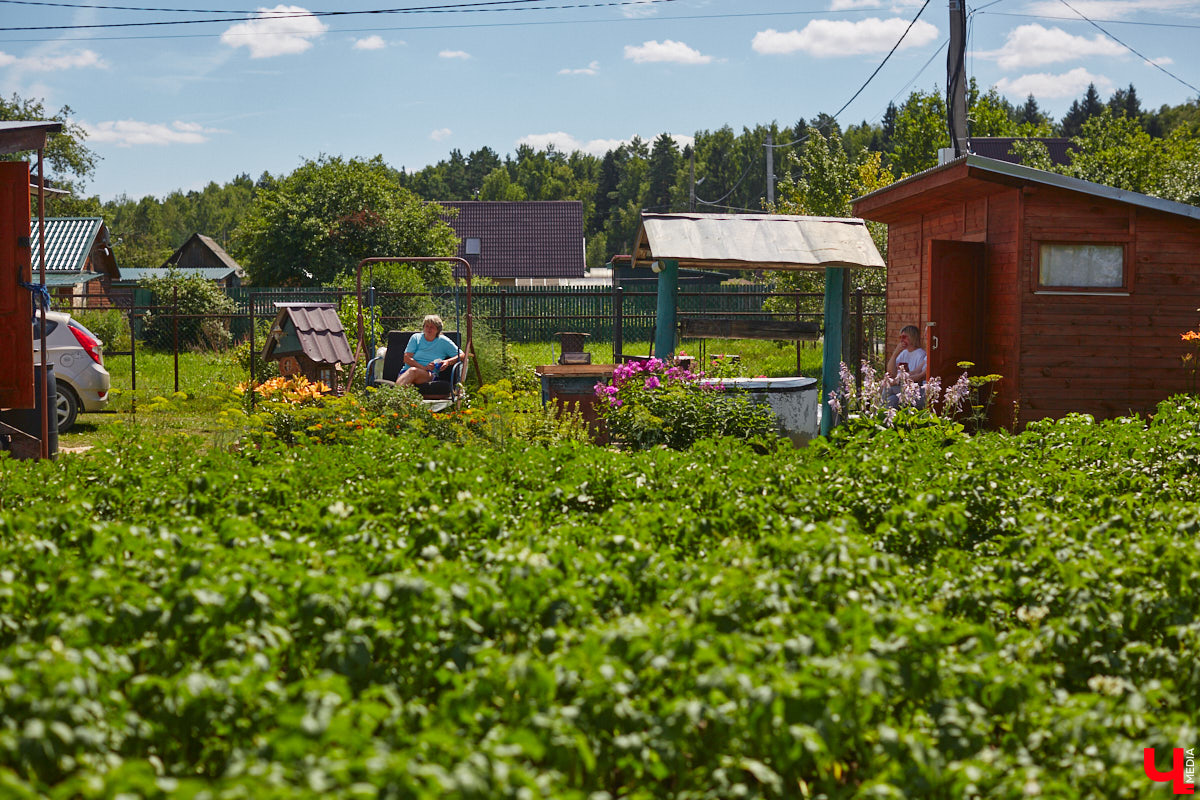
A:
[16,303]
[956,307]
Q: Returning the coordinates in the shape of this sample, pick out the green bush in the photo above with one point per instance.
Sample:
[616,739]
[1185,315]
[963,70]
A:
[652,403]
[110,325]
[196,299]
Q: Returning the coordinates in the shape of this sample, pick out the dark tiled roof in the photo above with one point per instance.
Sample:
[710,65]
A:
[998,147]
[537,239]
[319,330]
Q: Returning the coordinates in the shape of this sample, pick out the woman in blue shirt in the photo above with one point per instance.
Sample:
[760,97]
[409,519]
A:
[428,354]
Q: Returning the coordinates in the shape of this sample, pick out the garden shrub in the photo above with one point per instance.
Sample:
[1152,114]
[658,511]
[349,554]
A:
[197,298]
[654,402]
[111,326]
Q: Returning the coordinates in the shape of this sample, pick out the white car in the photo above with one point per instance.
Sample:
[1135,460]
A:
[78,360]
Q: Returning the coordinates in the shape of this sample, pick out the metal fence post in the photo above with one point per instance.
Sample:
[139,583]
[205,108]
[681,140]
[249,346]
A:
[618,322]
[175,332]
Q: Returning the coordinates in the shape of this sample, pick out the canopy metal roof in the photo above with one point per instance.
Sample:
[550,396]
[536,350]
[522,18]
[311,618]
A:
[16,137]
[754,241]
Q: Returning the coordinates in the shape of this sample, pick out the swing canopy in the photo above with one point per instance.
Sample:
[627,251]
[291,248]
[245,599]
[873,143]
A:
[754,242]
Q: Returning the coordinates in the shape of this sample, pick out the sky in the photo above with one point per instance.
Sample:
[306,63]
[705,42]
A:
[233,89]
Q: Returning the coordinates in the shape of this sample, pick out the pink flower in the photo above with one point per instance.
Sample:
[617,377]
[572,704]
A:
[652,382]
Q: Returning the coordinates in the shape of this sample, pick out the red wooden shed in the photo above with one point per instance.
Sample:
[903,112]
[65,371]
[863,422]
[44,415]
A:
[1076,293]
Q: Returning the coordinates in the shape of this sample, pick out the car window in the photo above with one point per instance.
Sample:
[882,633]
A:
[37,328]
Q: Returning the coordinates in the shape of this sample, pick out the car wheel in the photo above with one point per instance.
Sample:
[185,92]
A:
[67,407]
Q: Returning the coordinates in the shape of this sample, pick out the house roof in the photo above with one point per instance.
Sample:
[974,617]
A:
[998,147]
[319,330]
[178,258]
[134,274]
[16,137]
[977,175]
[69,242]
[754,241]
[535,239]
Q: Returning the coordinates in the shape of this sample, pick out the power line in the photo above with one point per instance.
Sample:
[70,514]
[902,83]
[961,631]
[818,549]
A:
[1105,21]
[869,79]
[456,26]
[493,5]
[1159,67]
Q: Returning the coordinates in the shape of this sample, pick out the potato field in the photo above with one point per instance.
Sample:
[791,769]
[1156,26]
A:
[893,614]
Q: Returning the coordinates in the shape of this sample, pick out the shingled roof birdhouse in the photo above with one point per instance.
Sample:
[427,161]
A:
[308,339]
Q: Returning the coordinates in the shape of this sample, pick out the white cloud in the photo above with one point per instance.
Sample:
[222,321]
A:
[50,63]
[454,54]
[849,5]
[278,31]
[1105,9]
[370,43]
[566,143]
[1047,85]
[666,51]
[130,132]
[440,134]
[639,10]
[1033,45]
[1162,61]
[826,38]
[590,69]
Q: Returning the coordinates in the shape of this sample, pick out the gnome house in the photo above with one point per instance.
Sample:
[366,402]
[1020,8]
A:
[308,339]
[1075,293]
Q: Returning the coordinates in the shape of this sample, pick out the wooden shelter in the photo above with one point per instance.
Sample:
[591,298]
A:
[668,242]
[1076,293]
[308,339]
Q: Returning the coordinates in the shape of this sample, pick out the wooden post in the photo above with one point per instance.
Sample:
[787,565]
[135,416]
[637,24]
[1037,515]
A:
[835,315]
[668,304]
[618,323]
[858,338]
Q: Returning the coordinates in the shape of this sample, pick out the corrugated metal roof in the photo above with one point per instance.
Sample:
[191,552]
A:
[319,330]
[69,278]
[527,239]
[211,273]
[983,167]
[755,241]
[69,240]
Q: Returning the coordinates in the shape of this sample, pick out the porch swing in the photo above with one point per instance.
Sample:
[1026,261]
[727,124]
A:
[388,361]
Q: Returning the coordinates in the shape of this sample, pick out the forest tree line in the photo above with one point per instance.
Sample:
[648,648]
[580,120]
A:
[819,166]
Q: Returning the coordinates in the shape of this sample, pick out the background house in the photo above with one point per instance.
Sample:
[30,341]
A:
[199,255]
[536,242]
[80,265]
[1076,293]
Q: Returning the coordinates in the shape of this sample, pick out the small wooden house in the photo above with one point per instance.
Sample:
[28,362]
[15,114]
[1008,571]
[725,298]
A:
[308,339]
[1076,293]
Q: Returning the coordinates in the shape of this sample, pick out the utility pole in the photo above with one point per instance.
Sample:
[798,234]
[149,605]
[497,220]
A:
[770,170]
[692,181]
[956,79]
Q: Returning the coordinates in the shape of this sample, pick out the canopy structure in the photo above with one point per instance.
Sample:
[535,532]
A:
[666,242]
[754,241]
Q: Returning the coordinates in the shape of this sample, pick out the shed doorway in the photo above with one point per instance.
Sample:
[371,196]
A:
[955,328]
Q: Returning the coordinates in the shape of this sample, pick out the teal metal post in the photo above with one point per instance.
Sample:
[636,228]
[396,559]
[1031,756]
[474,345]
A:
[668,303]
[831,354]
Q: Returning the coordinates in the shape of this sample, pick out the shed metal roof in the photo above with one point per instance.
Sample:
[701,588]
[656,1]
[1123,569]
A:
[1006,172]
[16,137]
[755,241]
[69,240]
[319,330]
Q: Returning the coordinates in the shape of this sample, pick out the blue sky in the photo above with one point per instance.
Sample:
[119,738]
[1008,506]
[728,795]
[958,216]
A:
[254,88]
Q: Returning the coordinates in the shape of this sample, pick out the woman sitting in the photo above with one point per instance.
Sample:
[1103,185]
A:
[910,359]
[427,355]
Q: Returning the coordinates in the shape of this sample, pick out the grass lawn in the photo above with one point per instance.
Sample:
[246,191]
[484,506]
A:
[205,381]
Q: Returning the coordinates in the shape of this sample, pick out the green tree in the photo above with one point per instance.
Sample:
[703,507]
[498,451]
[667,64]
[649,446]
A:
[329,214]
[499,186]
[1114,149]
[70,161]
[1081,111]
[920,131]
[192,297]
[664,169]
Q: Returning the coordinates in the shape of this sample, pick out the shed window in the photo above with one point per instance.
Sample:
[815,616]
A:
[473,247]
[1082,266]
